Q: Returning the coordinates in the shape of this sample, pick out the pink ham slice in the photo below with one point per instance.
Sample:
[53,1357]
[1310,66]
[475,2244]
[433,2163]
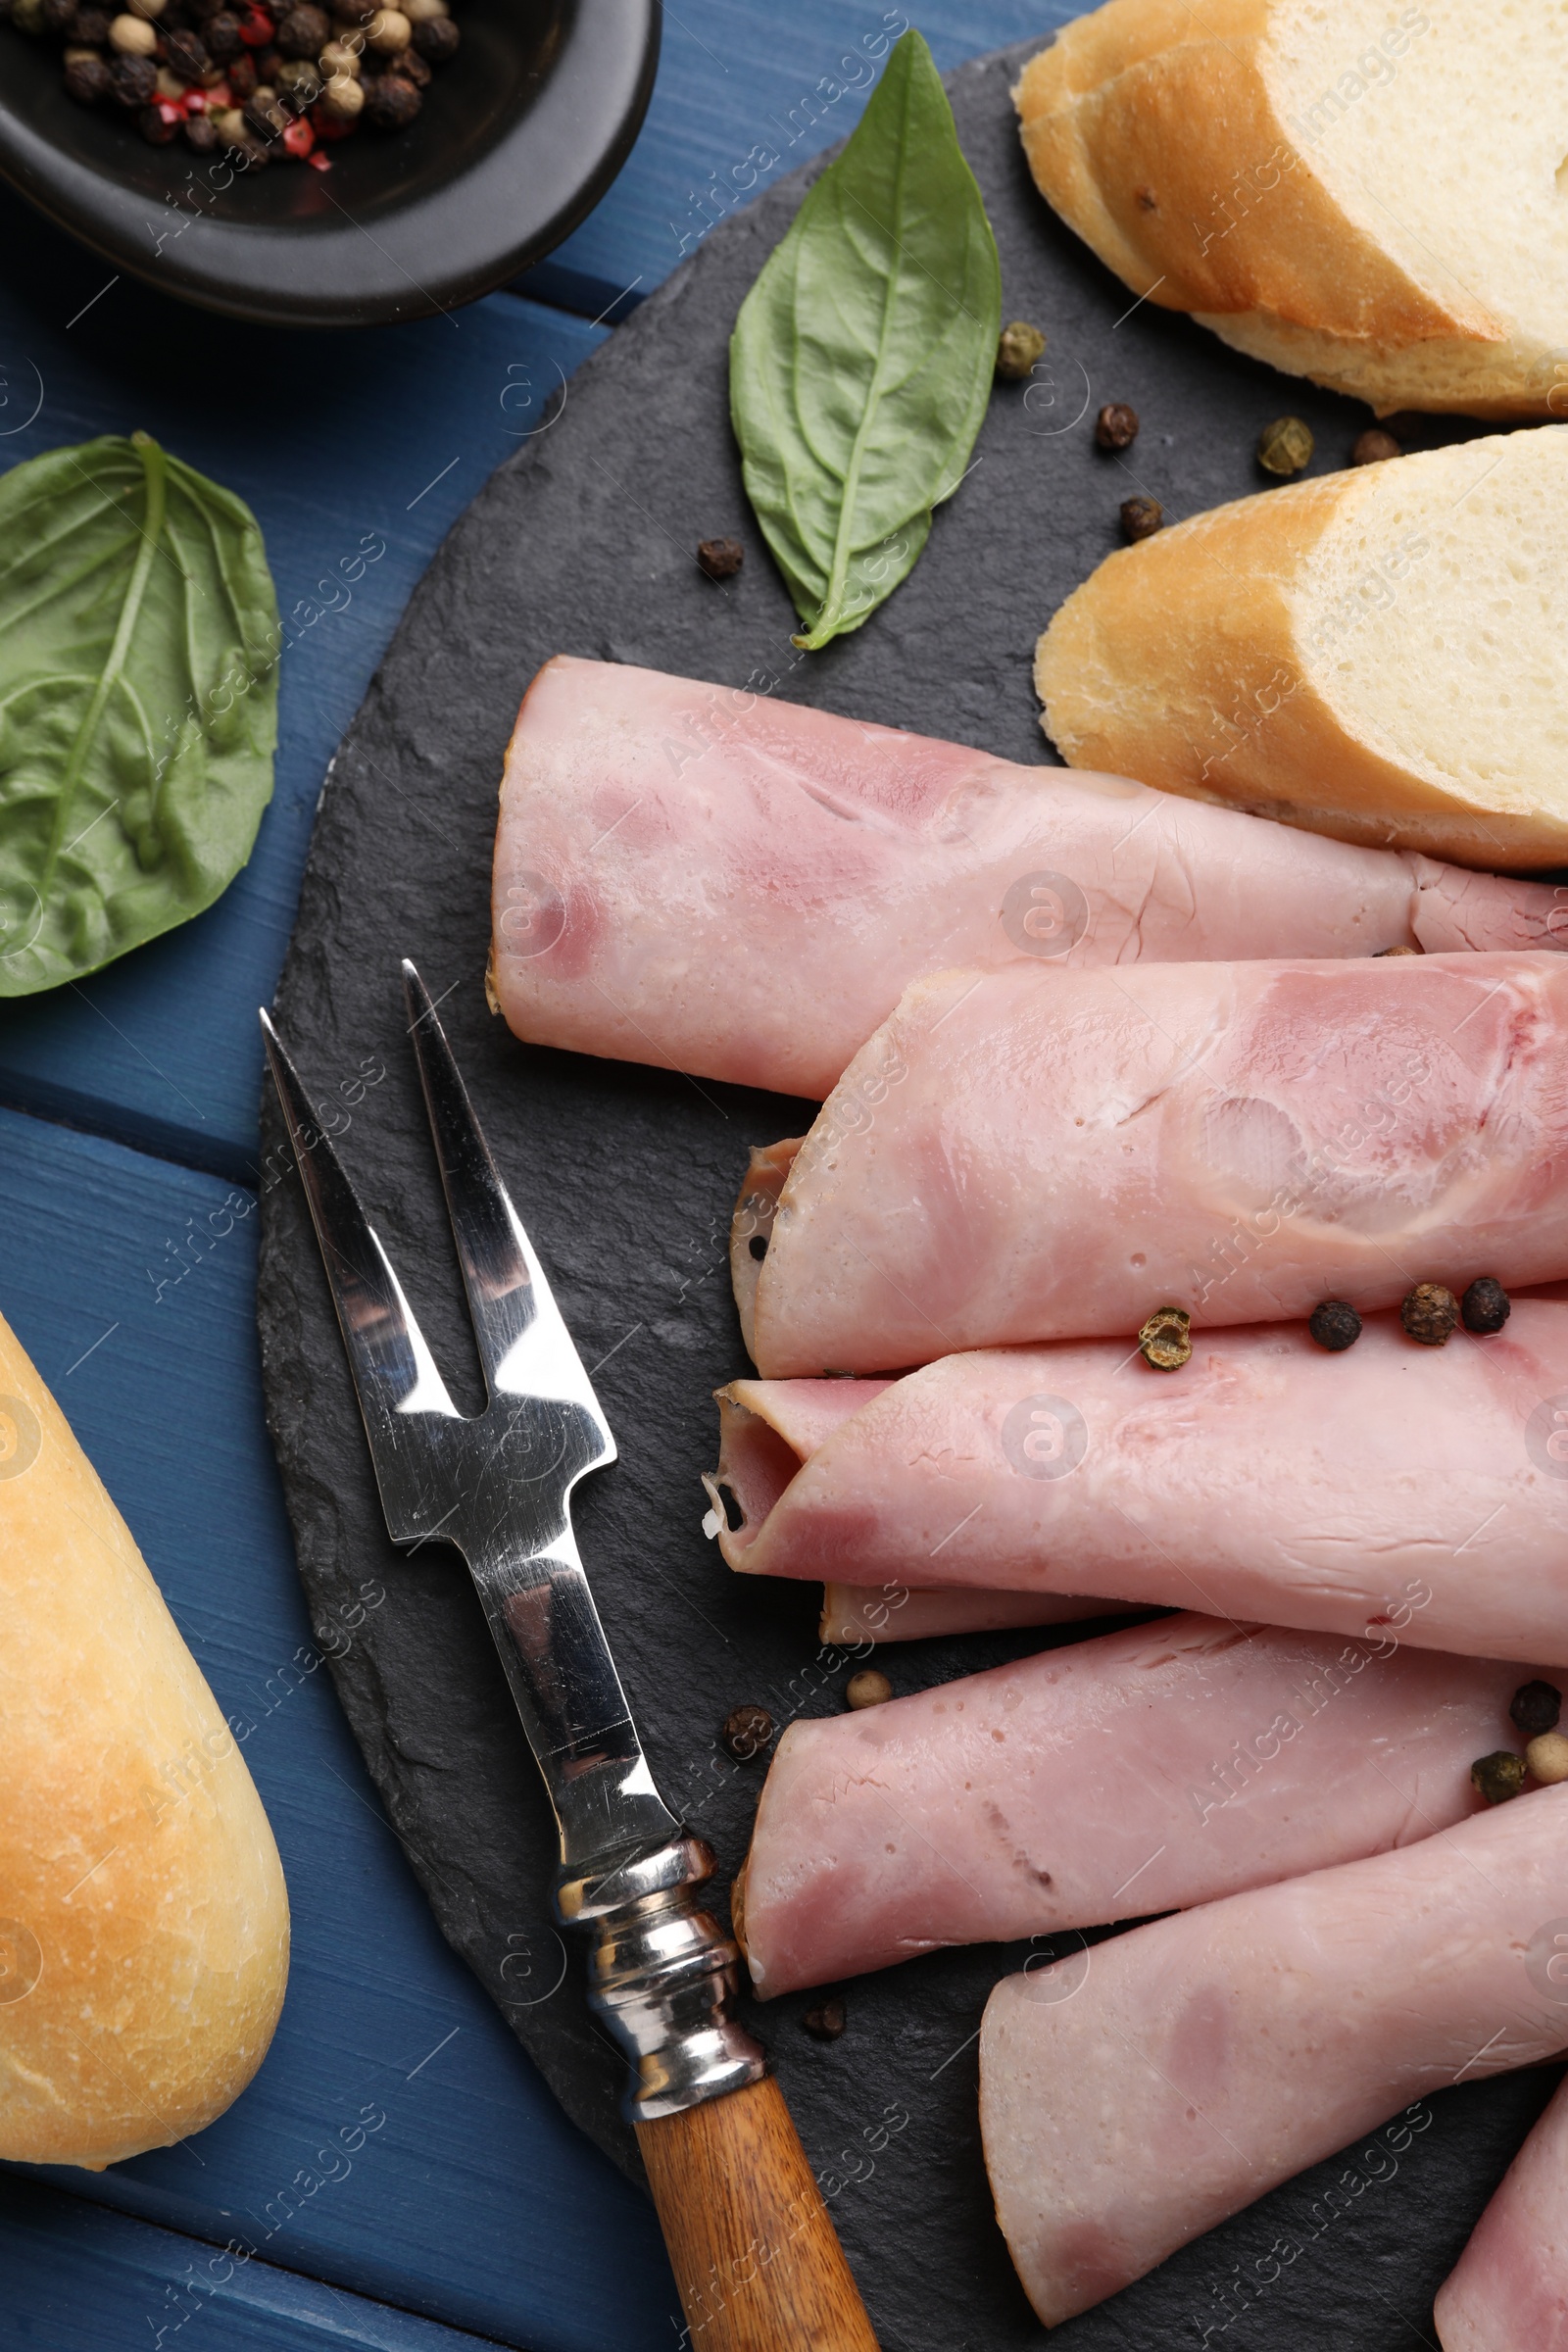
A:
[1203,2060]
[1145,1771]
[1509,2291]
[1025,1154]
[1425,1488]
[717,882]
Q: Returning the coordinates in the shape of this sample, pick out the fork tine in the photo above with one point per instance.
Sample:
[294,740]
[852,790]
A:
[395,1375]
[523,1343]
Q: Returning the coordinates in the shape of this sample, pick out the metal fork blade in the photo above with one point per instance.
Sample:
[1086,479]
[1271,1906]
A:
[523,1343]
[499,1488]
[395,1375]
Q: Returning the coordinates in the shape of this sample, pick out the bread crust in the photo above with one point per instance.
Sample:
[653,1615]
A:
[1230,222]
[145,1947]
[1181,662]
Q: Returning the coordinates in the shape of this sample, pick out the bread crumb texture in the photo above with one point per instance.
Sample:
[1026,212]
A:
[1370,653]
[1371,194]
[144,1941]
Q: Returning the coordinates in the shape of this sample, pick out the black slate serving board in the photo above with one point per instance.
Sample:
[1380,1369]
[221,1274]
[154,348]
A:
[584,544]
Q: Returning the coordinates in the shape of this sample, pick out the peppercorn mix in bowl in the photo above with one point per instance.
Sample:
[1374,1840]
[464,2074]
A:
[446,145]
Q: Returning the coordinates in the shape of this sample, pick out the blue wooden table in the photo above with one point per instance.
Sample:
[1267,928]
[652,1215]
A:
[127,1209]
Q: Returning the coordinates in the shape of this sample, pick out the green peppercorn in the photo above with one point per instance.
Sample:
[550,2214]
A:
[1286,446]
[1485,1306]
[1017,347]
[1430,1314]
[1335,1325]
[1535,1707]
[1166,1338]
[1498,1776]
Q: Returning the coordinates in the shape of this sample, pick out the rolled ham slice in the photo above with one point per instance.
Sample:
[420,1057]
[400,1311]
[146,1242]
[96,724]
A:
[1145,1771]
[1034,1154]
[1129,2105]
[1422,1488]
[719,882]
[1509,2288]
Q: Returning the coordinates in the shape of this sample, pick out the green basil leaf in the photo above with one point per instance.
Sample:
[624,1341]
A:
[138,702]
[863,358]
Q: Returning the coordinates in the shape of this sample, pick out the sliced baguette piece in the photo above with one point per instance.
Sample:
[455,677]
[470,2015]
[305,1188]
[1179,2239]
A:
[1374,655]
[1369,195]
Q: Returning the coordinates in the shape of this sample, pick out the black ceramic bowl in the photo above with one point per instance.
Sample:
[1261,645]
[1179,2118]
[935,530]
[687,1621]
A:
[519,137]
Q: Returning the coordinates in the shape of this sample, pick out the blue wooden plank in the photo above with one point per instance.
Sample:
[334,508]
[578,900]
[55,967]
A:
[747,91]
[79,2277]
[476,2202]
[345,445]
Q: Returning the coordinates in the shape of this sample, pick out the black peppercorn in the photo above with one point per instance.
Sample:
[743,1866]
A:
[201,132]
[269,66]
[157,126]
[240,76]
[720,559]
[1485,1306]
[1373,445]
[87,79]
[827,2021]
[1116,425]
[56,15]
[413,67]
[202,12]
[390,102]
[746,1730]
[1141,518]
[185,55]
[91,29]
[133,82]
[1498,1776]
[1535,1707]
[222,35]
[436,39]
[1430,1314]
[302,32]
[1335,1325]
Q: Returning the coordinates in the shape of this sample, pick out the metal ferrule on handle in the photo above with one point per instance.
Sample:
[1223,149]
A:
[663,1977]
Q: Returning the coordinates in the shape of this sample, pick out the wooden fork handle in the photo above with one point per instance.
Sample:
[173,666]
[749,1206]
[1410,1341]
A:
[756,2255]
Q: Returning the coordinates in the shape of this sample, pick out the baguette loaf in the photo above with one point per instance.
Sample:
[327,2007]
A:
[1373,654]
[145,1944]
[1363,192]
